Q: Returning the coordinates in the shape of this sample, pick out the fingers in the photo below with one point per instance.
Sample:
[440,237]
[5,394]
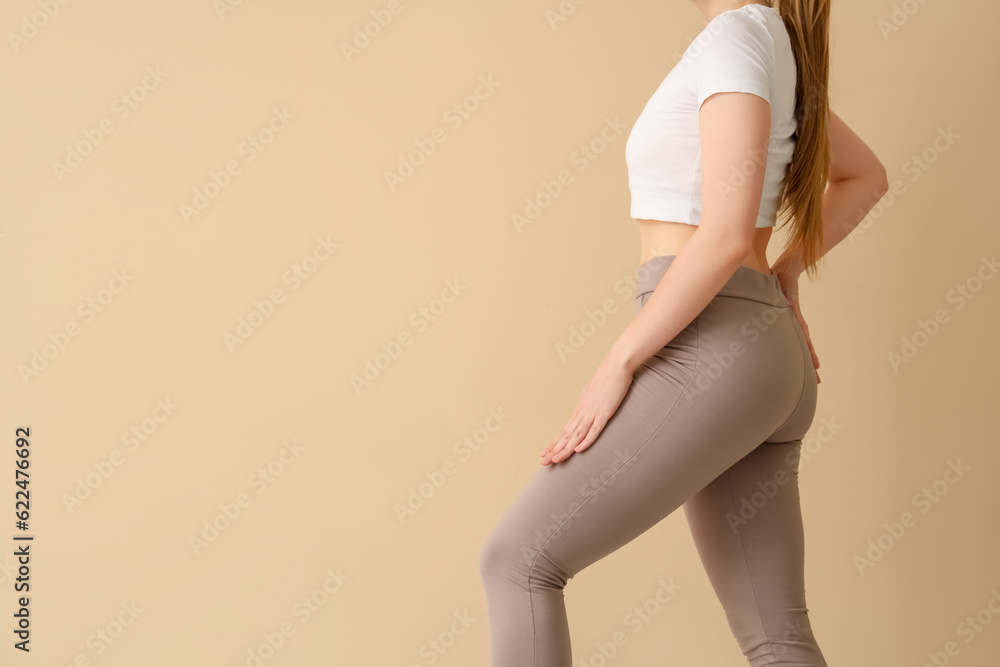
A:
[570,426]
[595,430]
[562,449]
[556,445]
[566,449]
[805,331]
[551,449]
[812,351]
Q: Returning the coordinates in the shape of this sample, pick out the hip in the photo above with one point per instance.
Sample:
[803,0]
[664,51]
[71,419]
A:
[745,343]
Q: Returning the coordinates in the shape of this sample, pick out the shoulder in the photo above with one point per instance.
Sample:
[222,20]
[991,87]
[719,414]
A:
[734,53]
[740,26]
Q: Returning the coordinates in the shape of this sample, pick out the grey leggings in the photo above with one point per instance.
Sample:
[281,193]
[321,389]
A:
[714,421]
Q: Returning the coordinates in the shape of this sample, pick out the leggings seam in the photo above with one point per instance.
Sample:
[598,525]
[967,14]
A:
[531,568]
[746,560]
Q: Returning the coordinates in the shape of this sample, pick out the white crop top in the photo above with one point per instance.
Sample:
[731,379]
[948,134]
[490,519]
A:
[745,50]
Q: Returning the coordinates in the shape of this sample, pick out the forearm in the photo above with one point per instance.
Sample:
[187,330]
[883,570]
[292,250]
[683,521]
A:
[845,204]
[694,277]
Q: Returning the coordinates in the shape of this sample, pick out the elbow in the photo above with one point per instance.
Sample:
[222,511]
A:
[876,178]
[739,249]
[881,179]
[739,240]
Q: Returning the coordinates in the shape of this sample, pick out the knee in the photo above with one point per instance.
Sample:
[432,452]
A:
[490,557]
[498,557]
[503,557]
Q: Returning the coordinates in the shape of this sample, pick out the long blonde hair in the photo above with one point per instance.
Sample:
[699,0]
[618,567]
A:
[808,25]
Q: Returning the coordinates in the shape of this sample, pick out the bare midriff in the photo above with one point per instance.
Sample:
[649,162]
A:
[661,237]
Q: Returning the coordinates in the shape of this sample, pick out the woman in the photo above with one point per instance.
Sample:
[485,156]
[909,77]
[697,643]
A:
[705,398]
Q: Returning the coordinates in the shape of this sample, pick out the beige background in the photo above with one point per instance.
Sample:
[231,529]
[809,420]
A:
[114,515]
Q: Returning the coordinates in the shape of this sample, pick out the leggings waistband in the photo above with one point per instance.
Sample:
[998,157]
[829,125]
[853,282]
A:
[745,283]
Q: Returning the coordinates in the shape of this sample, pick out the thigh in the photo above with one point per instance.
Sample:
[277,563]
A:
[665,442]
[747,527]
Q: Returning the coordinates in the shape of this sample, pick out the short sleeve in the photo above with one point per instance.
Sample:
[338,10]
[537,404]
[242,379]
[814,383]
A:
[737,56]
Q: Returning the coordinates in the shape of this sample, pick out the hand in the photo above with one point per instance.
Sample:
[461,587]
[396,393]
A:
[599,400]
[790,286]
